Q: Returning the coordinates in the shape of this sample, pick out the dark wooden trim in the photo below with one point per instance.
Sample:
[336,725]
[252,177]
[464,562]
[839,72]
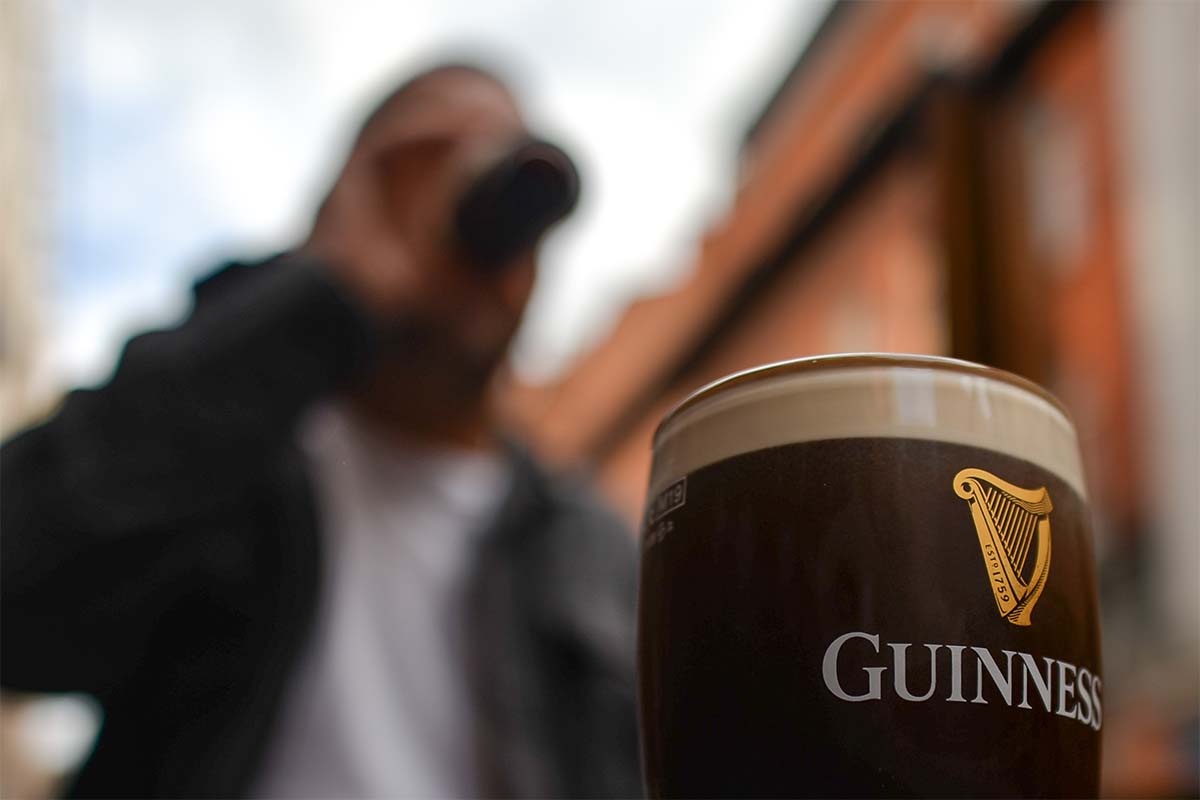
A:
[1007,64]
[1010,62]
[958,171]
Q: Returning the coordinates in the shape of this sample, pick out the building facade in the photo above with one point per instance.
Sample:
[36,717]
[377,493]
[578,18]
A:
[966,179]
[24,208]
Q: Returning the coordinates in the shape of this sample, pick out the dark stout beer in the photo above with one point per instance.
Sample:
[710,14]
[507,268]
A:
[869,576]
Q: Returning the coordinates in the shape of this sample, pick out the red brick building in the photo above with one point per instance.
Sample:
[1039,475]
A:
[930,177]
[1004,182]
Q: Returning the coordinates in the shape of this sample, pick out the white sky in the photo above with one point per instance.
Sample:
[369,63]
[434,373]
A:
[190,132]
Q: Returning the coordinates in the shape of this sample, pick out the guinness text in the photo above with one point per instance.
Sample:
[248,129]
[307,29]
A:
[1010,677]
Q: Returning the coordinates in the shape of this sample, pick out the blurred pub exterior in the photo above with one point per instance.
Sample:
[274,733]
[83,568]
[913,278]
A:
[1009,182]
[951,178]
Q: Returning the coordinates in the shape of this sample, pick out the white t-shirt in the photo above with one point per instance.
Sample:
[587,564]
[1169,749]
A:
[379,706]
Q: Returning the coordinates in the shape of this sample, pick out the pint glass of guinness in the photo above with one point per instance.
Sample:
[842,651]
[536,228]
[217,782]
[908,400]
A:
[868,576]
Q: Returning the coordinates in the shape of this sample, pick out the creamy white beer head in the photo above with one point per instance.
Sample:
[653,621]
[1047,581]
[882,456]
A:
[867,395]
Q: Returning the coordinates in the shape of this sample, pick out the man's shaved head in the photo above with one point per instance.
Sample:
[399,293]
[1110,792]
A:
[410,90]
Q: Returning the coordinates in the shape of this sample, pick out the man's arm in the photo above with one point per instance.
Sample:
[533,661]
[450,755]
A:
[187,422]
[193,414]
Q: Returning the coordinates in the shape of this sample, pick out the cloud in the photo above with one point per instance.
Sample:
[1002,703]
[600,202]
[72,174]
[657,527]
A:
[192,129]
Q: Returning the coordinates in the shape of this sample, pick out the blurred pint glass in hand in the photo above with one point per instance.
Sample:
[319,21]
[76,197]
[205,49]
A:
[869,576]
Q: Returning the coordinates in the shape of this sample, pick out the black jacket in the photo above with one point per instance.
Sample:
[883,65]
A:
[160,551]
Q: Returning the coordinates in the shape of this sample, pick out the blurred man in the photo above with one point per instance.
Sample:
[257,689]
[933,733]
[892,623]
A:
[285,547]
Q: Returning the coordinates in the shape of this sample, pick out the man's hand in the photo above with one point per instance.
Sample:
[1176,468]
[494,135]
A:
[383,230]
[367,252]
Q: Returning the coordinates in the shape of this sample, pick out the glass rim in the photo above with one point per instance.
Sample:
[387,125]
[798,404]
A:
[841,361]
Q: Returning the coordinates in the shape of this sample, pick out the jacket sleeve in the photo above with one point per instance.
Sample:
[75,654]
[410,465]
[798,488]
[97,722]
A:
[188,421]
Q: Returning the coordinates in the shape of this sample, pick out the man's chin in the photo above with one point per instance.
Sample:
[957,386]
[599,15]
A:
[429,395]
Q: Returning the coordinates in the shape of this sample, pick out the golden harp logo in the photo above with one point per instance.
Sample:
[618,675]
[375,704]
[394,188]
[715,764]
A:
[1012,523]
